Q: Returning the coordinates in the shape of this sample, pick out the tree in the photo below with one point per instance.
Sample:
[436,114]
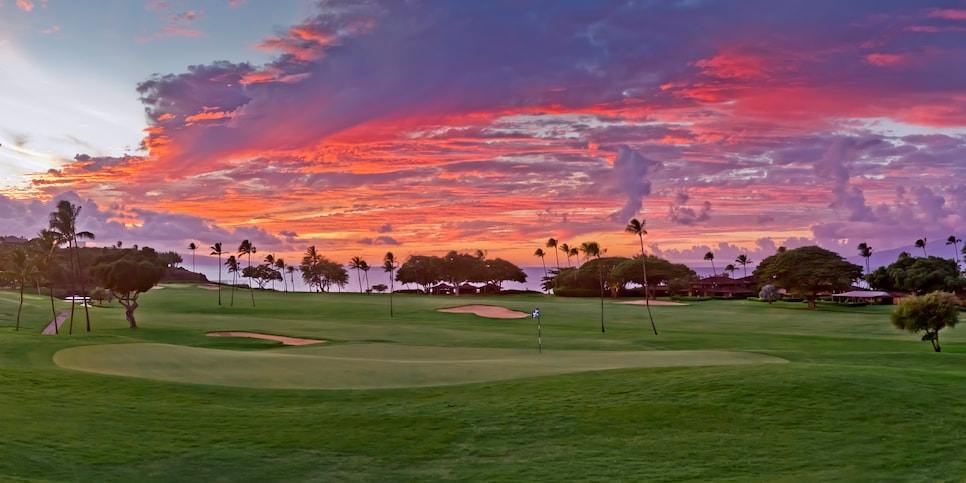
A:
[262,274]
[421,270]
[246,248]
[918,275]
[24,269]
[710,257]
[216,250]
[499,270]
[127,274]
[769,293]
[808,271]
[270,263]
[952,240]
[541,254]
[389,264]
[743,260]
[865,251]
[357,263]
[921,243]
[552,243]
[232,264]
[291,273]
[459,268]
[46,244]
[280,265]
[636,227]
[592,249]
[63,222]
[192,247]
[381,287]
[730,270]
[929,313]
[566,249]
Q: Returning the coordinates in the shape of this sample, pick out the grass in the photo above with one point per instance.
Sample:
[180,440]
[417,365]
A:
[859,400]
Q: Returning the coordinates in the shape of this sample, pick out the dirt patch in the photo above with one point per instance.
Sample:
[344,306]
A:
[280,338]
[489,311]
[651,302]
[208,287]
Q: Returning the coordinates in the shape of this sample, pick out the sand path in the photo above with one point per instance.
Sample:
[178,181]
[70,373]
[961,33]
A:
[280,338]
[651,302]
[55,324]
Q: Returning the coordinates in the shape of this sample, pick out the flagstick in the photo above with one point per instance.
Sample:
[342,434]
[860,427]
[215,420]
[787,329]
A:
[536,313]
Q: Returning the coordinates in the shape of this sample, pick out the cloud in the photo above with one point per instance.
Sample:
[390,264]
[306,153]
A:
[683,215]
[631,172]
[387,228]
[379,240]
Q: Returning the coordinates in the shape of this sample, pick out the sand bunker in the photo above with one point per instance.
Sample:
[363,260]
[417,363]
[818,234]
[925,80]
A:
[208,287]
[279,338]
[651,302]
[489,311]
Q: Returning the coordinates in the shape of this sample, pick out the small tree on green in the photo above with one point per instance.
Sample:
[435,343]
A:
[128,275]
[927,313]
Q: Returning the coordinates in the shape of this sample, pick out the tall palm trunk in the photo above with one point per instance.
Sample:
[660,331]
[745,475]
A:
[647,302]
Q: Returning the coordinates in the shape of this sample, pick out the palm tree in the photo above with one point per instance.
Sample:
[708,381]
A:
[291,273]
[710,257]
[743,260]
[592,249]
[280,265]
[541,254]
[24,269]
[63,222]
[552,243]
[357,263]
[566,249]
[730,269]
[921,243]
[637,228]
[216,250]
[232,264]
[192,247]
[952,240]
[246,248]
[389,264]
[47,245]
[574,253]
[865,251]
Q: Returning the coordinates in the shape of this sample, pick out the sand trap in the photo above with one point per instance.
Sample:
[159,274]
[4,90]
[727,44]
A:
[208,287]
[490,311]
[157,287]
[279,338]
[651,302]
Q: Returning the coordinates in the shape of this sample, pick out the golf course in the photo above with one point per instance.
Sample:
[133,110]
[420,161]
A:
[342,391]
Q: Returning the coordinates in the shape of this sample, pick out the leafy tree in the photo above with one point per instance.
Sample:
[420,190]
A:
[865,251]
[499,270]
[808,271]
[743,260]
[710,257]
[952,240]
[769,293]
[246,248]
[921,243]
[380,287]
[63,222]
[459,268]
[216,250]
[320,272]
[918,275]
[637,228]
[659,271]
[389,264]
[192,247]
[262,274]
[270,263]
[929,313]
[420,270]
[539,253]
[592,249]
[128,274]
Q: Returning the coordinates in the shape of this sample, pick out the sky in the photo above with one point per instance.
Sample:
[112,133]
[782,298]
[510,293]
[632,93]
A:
[419,127]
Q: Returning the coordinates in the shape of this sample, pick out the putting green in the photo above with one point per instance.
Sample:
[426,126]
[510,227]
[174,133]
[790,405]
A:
[367,366]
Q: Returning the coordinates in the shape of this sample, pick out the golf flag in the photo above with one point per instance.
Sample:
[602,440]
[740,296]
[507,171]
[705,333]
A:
[536,312]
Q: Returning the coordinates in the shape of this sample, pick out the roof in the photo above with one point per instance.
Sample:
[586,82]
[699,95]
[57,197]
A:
[863,294]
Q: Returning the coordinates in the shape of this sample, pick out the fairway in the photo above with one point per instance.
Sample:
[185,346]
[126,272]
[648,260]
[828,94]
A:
[368,366]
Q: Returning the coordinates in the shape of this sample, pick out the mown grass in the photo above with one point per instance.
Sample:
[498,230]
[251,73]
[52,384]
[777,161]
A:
[859,401]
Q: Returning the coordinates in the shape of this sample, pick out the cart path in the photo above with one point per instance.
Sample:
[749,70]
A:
[55,324]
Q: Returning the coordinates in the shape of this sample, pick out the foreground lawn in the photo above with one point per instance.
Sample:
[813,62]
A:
[857,400]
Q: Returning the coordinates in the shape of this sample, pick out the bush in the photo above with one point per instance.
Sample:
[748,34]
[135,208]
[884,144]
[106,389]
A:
[689,298]
[576,292]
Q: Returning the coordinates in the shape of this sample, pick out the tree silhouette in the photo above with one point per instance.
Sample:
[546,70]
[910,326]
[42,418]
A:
[730,270]
[46,243]
[743,260]
[280,265]
[566,249]
[357,263]
[865,251]
[710,257]
[216,250]
[552,243]
[246,248]
[541,254]
[24,269]
[636,227]
[592,249]
[952,240]
[389,265]
[921,243]
[192,247]
[232,264]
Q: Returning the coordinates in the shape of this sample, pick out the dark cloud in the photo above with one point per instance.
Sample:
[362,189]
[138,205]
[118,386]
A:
[630,177]
[379,240]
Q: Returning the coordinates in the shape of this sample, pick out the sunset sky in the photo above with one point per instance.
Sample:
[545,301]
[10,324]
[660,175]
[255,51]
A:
[362,127]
